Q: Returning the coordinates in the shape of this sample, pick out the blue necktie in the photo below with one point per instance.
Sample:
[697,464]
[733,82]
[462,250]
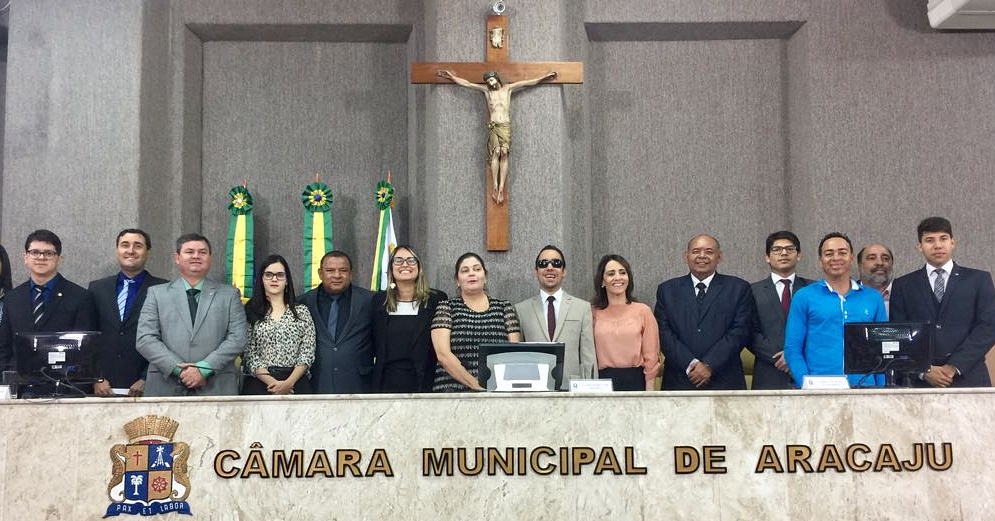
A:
[122,297]
[333,316]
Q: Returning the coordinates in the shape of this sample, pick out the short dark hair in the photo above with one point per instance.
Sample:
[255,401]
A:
[552,248]
[835,235]
[860,254]
[148,240]
[600,300]
[333,254]
[44,236]
[933,225]
[192,237]
[466,256]
[783,235]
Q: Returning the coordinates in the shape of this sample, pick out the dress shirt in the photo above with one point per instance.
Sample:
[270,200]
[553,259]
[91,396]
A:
[947,271]
[779,286]
[324,303]
[557,298]
[49,288]
[136,282]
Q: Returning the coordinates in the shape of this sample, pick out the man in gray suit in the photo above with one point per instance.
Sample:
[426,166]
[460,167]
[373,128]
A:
[341,313]
[191,329]
[556,316]
[773,298]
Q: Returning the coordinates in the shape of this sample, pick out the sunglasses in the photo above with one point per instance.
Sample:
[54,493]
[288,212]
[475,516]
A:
[556,263]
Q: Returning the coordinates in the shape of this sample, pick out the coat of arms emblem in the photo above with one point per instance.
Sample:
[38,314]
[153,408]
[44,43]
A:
[149,473]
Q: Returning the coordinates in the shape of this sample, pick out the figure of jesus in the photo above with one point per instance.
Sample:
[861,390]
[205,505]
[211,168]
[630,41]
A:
[499,124]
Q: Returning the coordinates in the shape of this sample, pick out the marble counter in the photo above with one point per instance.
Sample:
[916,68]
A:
[721,456]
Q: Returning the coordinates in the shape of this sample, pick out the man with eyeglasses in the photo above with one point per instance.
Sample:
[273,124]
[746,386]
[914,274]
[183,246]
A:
[118,301]
[705,321]
[47,302]
[556,316]
[343,358]
[773,299]
[874,262]
[191,329]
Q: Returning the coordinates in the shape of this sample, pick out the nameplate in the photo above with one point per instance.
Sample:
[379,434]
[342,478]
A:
[825,383]
[601,385]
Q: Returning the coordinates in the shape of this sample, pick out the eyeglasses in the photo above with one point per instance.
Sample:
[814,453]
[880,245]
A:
[782,249]
[269,275]
[401,261]
[556,263]
[42,254]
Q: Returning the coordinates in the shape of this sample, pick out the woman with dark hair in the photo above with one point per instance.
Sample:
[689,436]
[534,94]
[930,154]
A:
[281,334]
[626,335]
[464,322]
[401,327]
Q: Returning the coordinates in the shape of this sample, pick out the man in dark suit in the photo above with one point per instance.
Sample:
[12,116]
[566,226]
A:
[705,320]
[959,301]
[118,301]
[47,302]
[341,312]
[772,296]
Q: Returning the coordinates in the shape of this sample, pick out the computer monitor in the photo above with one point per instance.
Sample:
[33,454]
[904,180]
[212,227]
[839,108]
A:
[887,347]
[522,366]
[54,364]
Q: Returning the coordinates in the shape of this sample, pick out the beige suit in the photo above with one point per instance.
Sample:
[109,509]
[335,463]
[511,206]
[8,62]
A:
[573,329]
[166,337]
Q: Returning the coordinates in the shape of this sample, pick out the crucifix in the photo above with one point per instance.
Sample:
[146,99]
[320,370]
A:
[489,77]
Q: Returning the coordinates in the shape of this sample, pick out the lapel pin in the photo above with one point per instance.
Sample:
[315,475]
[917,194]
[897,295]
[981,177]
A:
[59,294]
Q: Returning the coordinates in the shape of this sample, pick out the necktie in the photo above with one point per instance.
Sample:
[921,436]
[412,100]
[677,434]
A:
[701,293]
[333,316]
[122,297]
[786,296]
[38,308]
[940,287]
[192,302]
[550,316]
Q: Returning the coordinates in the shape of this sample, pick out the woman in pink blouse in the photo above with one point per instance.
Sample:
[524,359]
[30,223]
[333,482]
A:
[626,336]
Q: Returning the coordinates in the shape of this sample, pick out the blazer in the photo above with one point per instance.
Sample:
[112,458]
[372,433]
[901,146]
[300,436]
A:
[964,321]
[69,308]
[116,358]
[420,345]
[574,328]
[714,334]
[166,337]
[343,365]
[768,333]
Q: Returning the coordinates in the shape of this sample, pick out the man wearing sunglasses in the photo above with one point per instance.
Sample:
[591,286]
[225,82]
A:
[556,316]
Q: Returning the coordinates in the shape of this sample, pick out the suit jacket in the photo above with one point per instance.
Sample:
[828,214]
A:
[420,345]
[964,321]
[166,337]
[573,328]
[768,333]
[714,334]
[342,365]
[117,359]
[69,308]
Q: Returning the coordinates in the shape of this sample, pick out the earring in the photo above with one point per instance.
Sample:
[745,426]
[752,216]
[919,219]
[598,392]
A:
[392,285]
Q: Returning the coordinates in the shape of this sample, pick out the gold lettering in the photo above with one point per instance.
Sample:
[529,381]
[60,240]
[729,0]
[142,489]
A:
[564,461]
[797,456]
[581,456]
[768,460]
[630,463]
[319,465]
[348,459]
[494,460]
[478,461]
[851,457]
[917,458]
[607,461]
[379,463]
[887,459]
[255,464]
[219,464]
[830,459]
[686,459]
[542,470]
[713,456]
[522,456]
[948,456]
[292,467]
[433,464]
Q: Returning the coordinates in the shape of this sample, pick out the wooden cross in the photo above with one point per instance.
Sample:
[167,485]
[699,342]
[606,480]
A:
[497,60]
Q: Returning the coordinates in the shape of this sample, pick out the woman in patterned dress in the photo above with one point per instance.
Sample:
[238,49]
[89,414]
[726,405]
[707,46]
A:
[464,322]
[281,334]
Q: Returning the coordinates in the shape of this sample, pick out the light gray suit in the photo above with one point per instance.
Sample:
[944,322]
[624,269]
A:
[166,337]
[573,328]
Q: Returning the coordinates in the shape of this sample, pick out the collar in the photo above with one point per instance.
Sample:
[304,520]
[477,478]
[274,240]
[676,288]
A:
[707,280]
[187,286]
[49,286]
[137,279]
[777,278]
[323,292]
[853,286]
[948,268]
[558,296]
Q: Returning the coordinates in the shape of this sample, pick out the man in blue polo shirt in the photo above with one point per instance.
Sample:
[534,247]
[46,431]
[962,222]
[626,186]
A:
[813,336]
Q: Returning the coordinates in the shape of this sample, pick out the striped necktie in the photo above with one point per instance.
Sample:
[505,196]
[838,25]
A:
[38,308]
[122,297]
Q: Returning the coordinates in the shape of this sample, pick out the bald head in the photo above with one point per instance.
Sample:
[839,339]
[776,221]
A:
[703,256]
